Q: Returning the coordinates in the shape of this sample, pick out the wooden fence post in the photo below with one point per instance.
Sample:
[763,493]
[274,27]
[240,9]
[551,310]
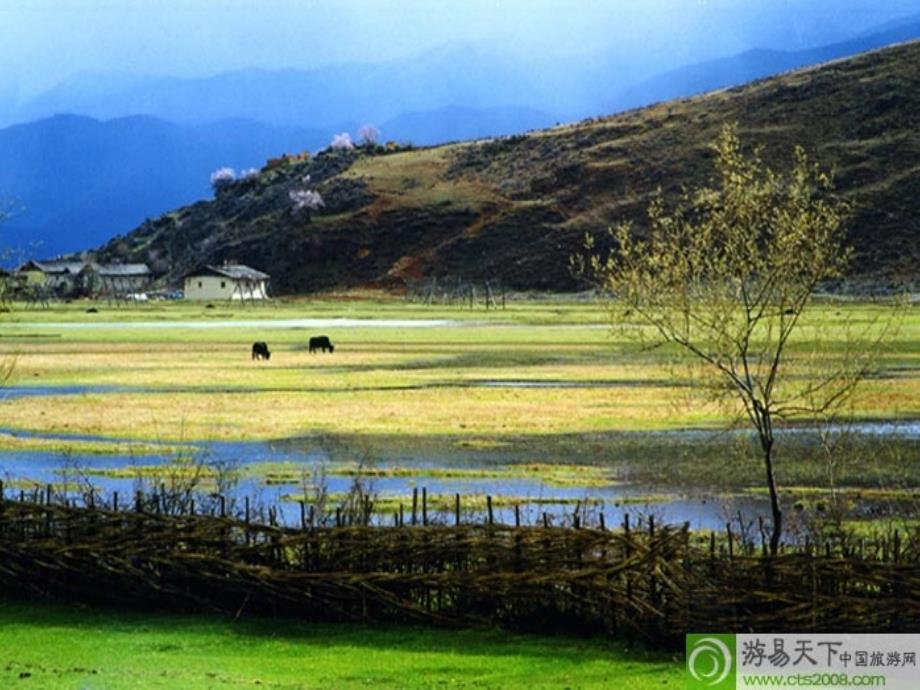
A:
[728,531]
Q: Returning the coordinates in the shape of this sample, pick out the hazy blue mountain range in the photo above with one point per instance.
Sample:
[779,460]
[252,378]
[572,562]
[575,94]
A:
[465,75]
[79,181]
[142,145]
[755,64]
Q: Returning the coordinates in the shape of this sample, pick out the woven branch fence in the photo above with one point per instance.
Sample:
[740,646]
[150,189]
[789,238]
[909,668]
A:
[654,584]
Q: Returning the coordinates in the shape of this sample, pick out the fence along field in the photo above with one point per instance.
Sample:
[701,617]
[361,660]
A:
[649,581]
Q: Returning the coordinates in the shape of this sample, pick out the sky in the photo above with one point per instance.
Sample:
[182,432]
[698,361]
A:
[46,41]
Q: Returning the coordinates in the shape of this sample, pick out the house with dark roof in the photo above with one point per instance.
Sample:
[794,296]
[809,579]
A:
[84,277]
[62,277]
[228,281]
[120,279]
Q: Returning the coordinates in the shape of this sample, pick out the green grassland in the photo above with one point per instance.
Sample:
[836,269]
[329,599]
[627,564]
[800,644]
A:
[52,646]
[200,383]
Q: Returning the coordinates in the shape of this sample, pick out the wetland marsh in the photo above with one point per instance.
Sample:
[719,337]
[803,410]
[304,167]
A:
[537,405]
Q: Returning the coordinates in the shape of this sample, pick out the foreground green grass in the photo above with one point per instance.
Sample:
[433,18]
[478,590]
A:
[50,646]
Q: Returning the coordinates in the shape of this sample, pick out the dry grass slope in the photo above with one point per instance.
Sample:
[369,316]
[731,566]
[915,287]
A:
[515,208]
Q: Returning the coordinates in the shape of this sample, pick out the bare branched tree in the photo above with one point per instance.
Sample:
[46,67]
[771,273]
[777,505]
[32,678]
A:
[727,277]
[368,135]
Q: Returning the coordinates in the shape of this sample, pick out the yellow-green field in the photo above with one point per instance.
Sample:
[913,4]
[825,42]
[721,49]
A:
[199,383]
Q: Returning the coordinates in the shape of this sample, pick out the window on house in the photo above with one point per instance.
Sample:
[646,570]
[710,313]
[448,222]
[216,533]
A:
[223,284]
[199,283]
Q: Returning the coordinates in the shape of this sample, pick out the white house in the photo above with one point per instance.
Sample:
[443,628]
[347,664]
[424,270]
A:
[227,281]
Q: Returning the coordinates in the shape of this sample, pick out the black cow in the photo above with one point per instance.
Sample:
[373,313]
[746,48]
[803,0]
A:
[260,351]
[321,342]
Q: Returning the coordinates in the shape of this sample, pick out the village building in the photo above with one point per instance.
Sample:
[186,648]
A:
[84,277]
[120,279]
[227,282]
[62,277]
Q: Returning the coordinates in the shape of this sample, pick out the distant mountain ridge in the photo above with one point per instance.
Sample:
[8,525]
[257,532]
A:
[119,174]
[321,98]
[467,75]
[80,181]
[512,210]
[756,64]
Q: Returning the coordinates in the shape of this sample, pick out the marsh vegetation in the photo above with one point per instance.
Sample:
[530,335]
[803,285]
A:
[536,405]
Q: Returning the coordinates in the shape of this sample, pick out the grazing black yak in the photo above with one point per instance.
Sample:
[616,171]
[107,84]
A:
[260,351]
[321,342]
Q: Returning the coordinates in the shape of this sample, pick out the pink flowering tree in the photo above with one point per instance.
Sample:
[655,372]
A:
[305,201]
[342,141]
[222,178]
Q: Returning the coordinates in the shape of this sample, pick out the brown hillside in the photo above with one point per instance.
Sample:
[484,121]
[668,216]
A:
[515,208]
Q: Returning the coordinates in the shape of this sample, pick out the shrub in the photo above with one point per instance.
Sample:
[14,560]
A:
[222,178]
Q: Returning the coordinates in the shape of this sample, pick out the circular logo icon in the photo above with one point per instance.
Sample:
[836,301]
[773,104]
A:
[709,661]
